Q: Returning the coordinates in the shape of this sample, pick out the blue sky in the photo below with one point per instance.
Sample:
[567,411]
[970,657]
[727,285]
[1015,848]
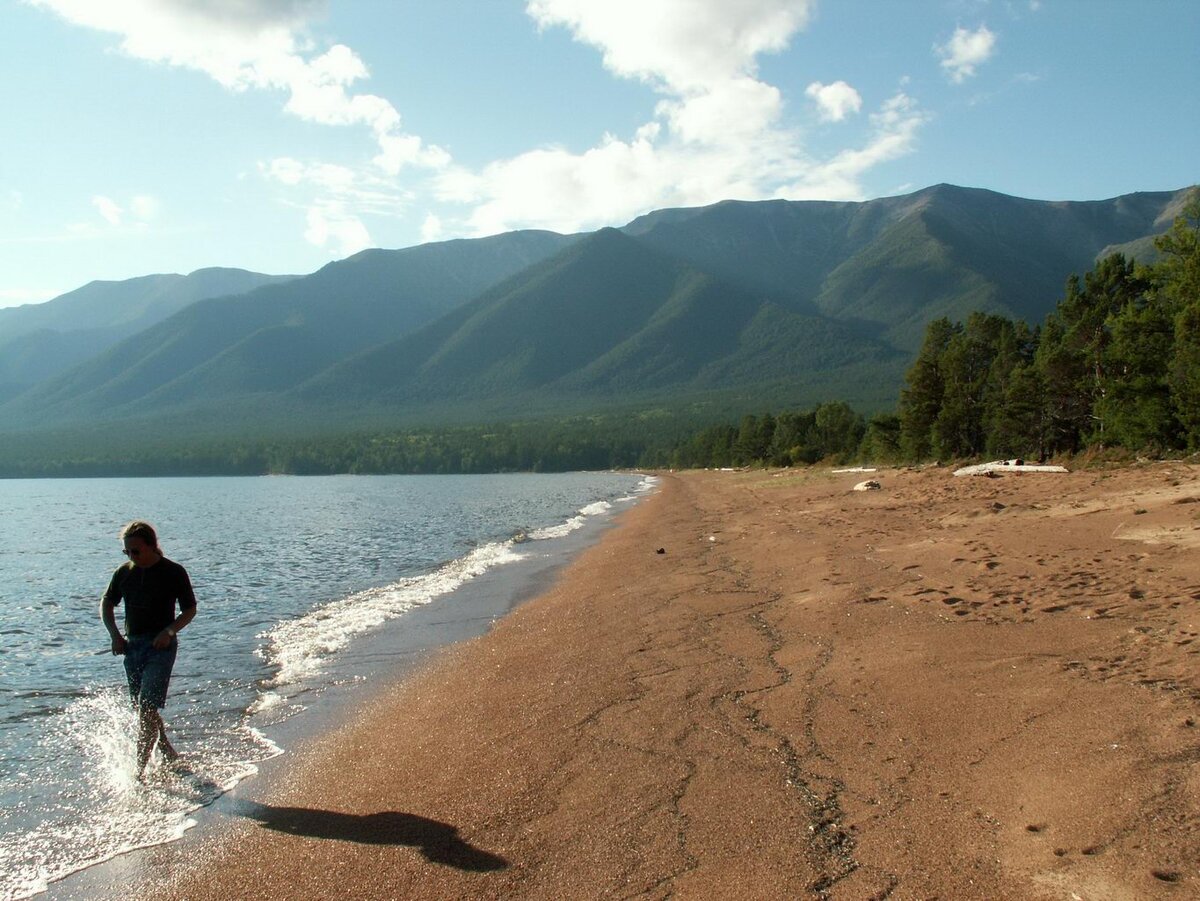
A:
[147,136]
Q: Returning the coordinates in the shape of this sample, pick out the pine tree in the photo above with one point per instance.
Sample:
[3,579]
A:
[1177,279]
[1133,405]
[960,429]
[921,398]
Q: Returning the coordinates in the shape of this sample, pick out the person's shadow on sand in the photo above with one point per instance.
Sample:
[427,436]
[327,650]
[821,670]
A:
[439,842]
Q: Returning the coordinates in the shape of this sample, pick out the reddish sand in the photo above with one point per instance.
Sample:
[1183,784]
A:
[950,687]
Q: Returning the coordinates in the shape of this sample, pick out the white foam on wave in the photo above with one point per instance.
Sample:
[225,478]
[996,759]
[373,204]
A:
[267,700]
[107,811]
[299,647]
[562,530]
[572,524]
[647,485]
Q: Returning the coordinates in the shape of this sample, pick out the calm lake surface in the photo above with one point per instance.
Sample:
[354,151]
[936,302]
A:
[289,574]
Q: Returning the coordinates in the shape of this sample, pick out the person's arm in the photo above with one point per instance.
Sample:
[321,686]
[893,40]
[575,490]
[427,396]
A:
[164,638]
[112,597]
[187,612]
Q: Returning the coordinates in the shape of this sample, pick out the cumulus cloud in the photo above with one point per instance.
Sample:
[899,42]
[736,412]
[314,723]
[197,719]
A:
[144,207]
[108,209]
[686,44]
[246,44]
[334,199]
[719,131]
[140,209]
[834,101]
[894,132]
[261,45]
[333,226]
[965,51]
[431,228]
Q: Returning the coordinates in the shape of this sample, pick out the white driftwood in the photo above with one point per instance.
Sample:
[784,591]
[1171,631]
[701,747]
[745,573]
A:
[982,469]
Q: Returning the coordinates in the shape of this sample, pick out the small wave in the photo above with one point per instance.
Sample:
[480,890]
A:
[299,647]
[268,700]
[102,810]
[559,531]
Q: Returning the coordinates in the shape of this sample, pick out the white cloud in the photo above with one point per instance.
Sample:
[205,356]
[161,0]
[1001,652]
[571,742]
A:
[431,228]
[834,101]
[334,199]
[141,208]
[261,44]
[144,207]
[965,51]
[108,209]
[718,132]
[252,44]
[684,44]
[333,227]
[894,133]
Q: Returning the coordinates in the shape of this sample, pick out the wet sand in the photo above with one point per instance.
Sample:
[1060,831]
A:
[950,687]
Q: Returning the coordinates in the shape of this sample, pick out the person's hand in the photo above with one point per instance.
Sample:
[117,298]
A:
[162,640]
[118,645]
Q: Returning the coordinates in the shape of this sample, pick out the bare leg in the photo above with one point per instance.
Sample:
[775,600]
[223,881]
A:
[167,749]
[150,726]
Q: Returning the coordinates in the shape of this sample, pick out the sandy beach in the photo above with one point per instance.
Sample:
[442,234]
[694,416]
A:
[949,687]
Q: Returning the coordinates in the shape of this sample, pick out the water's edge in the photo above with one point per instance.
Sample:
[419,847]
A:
[374,664]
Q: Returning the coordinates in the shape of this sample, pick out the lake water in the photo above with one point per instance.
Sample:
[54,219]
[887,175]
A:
[290,574]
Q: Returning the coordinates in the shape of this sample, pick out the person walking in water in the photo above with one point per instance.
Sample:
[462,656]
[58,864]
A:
[150,585]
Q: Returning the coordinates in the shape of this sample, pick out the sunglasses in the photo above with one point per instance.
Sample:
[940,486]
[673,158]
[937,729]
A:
[133,552]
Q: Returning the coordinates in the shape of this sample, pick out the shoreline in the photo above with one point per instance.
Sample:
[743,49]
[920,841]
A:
[378,661]
[968,688]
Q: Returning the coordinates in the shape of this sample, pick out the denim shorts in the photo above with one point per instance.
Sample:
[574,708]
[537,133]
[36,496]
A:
[148,670]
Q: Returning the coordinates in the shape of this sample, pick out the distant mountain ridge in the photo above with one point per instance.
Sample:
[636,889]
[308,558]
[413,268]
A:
[38,341]
[130,302]
[779,302]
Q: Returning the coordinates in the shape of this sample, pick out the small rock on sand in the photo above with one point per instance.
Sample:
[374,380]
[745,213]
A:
[868,485]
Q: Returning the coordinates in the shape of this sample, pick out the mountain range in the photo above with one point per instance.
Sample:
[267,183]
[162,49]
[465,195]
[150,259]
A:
[38,341]
[746,303]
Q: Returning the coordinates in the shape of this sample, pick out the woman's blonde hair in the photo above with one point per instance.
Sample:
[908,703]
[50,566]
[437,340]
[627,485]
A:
[142,530]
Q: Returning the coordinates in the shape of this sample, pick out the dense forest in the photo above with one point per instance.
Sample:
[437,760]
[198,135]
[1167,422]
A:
[1117,364]
[618,441]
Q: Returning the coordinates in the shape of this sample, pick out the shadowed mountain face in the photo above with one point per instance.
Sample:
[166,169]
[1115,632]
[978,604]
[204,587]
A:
[607,317]
[775,299]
